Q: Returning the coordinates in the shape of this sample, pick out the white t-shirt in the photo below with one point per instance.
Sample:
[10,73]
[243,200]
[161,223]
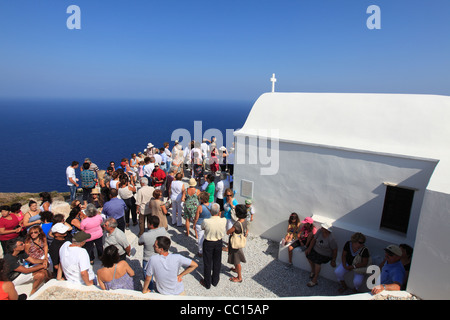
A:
[165,270]
[176,188]
[205,150]
[197,156]
[158,158]
[221,186]
[230,158]
[148,169]
[70,173]
[74,260]
[168,153]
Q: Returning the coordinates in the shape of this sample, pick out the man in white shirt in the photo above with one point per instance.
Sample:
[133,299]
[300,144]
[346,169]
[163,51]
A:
[72,179]
[221,186]
[75,262]
[168,156]
[164,266]
[148,167]
[157,156]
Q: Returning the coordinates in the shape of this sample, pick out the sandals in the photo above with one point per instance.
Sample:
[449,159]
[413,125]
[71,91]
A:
[312,284]
[234,279]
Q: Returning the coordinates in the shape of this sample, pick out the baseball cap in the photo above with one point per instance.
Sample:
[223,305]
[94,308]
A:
[393,249]
[81,236]
[60,228]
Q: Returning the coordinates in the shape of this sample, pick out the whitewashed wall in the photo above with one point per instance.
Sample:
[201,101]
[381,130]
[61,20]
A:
[430,269]
[345,186]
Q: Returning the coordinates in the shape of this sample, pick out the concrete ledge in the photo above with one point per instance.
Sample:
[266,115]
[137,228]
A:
[137,295]
[299,260]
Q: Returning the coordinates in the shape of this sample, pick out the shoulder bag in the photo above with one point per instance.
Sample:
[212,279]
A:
[357,259]
[238,240]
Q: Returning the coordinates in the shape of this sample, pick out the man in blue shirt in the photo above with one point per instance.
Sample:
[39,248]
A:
[115,208]
[392,272]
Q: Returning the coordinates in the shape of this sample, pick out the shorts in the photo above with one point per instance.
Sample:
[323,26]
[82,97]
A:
[23,278]
[198,171]
[297,243]
[317,258]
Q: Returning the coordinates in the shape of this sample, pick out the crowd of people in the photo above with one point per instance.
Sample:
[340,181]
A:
[149,190]
[39,245]
[320,247]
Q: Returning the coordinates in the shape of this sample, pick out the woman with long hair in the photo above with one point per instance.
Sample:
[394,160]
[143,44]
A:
[292,229]
[46,201]
[236,256]
[36,245]
[158,208]
[126,193]
[32,217]
[75,217]
[203,212]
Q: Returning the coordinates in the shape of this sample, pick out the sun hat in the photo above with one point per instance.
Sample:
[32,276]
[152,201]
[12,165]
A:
[60,228]
[394,249]
[326,226]
[308,220]
[192,182]
[95,191]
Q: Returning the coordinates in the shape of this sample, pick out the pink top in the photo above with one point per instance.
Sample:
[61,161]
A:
[304,232]
[92,225]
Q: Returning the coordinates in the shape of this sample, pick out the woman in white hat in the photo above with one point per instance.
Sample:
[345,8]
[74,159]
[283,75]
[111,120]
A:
[191,203]
[322,249]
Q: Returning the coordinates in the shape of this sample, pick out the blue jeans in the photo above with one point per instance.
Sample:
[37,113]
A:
[168,165]
[73,192]
[151,286]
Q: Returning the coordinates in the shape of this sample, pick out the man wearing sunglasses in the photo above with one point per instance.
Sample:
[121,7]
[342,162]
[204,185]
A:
[392,271]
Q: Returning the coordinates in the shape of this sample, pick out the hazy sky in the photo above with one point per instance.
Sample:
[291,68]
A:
[216,49]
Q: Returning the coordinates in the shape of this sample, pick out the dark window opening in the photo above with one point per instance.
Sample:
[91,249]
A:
[397,208]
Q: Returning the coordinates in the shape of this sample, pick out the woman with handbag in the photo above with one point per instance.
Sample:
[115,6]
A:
[239,229]
[355,257]
[203,212]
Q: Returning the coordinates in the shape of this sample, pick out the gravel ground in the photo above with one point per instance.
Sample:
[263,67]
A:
[263,275]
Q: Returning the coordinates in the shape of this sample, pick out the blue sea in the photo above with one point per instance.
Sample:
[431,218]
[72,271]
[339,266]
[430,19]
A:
[40,138]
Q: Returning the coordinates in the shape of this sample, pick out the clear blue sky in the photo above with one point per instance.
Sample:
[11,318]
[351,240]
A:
[217,49]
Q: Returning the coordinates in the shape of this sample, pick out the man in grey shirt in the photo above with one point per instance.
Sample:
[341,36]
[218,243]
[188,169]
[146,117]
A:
[115,236]
[148,239]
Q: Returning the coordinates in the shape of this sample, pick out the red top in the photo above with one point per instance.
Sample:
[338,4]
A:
[9,225]
[159,175]
[3,294]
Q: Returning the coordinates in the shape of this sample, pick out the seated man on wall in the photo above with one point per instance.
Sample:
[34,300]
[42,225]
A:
[392,270]
[24,269]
